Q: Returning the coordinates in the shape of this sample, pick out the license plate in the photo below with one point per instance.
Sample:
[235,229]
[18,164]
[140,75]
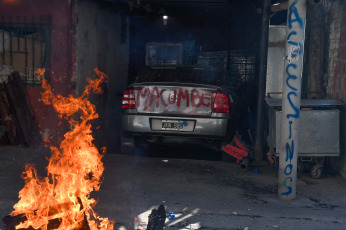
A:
[172,125]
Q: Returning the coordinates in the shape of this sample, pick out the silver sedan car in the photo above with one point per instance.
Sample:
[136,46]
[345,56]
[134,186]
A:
[178,106]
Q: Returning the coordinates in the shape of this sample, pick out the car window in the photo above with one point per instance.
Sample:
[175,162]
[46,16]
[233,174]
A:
[182,75]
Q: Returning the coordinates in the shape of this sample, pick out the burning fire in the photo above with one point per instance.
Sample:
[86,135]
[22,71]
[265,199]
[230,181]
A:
[73,172]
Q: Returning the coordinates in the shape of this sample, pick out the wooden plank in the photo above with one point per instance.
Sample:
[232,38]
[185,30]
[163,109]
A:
[317,39]
[10,222]
[8,120]
[19,102]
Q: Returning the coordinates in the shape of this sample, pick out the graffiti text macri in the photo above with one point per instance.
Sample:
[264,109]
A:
[147,97]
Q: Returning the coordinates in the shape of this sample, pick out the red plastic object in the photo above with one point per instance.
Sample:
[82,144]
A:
[239,151]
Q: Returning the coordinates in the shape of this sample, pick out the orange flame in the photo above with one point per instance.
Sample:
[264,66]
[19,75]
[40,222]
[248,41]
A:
[73,172]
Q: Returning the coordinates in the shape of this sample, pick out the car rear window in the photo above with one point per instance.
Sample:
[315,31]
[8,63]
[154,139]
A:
[182,75]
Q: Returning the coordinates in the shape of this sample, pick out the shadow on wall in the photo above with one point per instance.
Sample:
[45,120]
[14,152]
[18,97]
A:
[107,127]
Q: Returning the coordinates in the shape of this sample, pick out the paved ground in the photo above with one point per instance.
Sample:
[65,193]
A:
[203,194]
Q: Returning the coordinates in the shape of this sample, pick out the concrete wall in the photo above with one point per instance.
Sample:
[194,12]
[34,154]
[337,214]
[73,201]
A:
[336,70]
[103,43]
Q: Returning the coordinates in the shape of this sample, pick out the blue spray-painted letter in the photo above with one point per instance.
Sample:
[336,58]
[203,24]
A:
[289,151]
[296,110]
[291,76]
[288,187]
[294,11]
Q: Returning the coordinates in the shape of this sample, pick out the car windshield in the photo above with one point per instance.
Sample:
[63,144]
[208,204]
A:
[182,75]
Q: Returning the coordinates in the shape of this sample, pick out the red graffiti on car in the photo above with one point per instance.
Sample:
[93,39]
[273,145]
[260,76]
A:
[180,97]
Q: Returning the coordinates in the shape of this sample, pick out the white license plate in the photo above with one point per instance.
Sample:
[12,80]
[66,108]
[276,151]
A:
[172,125]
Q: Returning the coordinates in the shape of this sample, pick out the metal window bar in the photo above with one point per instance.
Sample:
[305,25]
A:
[242,66]
[25,45]
[241,59]
[244,30]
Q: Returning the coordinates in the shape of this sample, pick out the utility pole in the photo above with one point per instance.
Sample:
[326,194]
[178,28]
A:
[295,35]
[263,56]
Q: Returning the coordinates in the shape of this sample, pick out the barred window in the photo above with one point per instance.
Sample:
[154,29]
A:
[25,45]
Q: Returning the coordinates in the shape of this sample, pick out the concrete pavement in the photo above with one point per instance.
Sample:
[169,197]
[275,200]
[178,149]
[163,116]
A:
[201,194]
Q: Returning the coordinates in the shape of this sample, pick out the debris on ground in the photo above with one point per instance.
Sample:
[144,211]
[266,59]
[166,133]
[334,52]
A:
[139,224]
[171,215]
[185,210]
[157,218]
[272,159]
